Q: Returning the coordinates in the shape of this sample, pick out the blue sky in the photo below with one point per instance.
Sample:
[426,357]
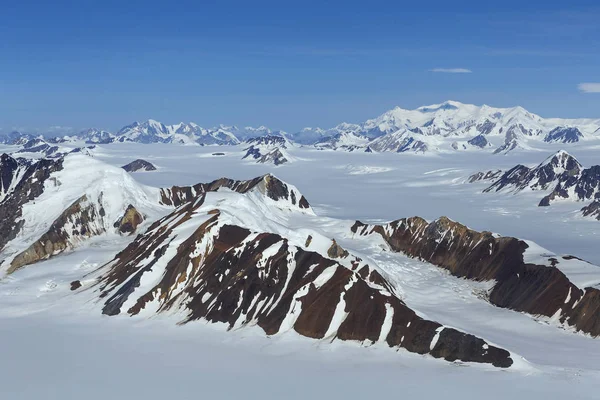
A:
[289,64]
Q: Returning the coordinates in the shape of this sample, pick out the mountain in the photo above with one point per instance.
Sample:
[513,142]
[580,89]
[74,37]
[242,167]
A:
[403,141]
[592,210]
[579,187]
[309,136]
[563,135]
[95,136]
[15,137]
[229,257]
[520,284]
[561,172]
[51,206]
[456,126]
[447,127]
[139,165]
[490,175]
[558,166]
[268,150]
[190,133]
[253,253]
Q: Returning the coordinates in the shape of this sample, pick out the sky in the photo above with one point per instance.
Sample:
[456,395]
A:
[289,65]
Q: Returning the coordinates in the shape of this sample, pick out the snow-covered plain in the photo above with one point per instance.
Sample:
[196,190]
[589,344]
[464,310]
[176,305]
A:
[58,345]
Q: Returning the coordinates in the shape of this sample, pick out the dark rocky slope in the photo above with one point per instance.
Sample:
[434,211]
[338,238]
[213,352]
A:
[269,185]
[534,289]
[139,165]
[558,166]
[563,134]
[20,182]
[561,171]
[239,278]
[592,210]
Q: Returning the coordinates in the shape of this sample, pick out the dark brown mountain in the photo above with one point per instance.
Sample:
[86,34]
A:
[229,274]
[481,256]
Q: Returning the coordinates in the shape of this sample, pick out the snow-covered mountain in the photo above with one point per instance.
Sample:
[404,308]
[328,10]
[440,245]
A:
[271,149]
[229,256]
[453,126]
[15,137]
[253,253]
[560,174]
[447,127]
[556,167]
[95,136]
[51,206]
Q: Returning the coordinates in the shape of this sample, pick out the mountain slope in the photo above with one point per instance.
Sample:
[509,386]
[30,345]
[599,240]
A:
[557,167]
[216,258]
[521,282]
[55,205]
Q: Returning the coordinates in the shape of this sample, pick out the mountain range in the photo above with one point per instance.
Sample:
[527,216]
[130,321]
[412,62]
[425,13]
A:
[253,253]
[447,127]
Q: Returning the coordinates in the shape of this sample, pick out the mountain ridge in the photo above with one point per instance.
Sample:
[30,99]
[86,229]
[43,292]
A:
[447,126]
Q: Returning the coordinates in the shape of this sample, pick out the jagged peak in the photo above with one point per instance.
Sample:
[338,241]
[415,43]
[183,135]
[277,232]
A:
[560,158]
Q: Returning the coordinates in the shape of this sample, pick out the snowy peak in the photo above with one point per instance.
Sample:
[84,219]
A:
[95,136]
[561,172]
[270,149]
[271,141]
[280,194]
[557,167]
[560,162]
[15,137]
[52,206]
[563,135]
[454,125]
[222,258]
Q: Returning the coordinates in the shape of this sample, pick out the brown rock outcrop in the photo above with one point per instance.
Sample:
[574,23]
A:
[239,277]
[81,219]
[481,256]
[129,222]
[270,185]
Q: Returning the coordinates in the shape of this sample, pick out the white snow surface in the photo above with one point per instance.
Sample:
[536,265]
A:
[62,344]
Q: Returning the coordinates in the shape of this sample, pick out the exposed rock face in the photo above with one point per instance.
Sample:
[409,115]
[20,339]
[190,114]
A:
[412,144]
[275,157]
[274,188]
[479,141]
[20,182]
[535,289]
[559,166]
[269,140]
[485,127]
[130,221]
[592,210]
[511,142]
[336,251]
[139,165]
[563,134]
[267,149]
[582,186]
[561,171]
[33,199]
[82,219]
[484,176]
[226,273]
[15,138]
[39,146]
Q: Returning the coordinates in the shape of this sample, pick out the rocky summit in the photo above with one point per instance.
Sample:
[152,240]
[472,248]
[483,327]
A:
[253,253]
[139,165]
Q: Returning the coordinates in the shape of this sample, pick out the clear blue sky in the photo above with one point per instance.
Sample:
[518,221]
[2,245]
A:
[289,64]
